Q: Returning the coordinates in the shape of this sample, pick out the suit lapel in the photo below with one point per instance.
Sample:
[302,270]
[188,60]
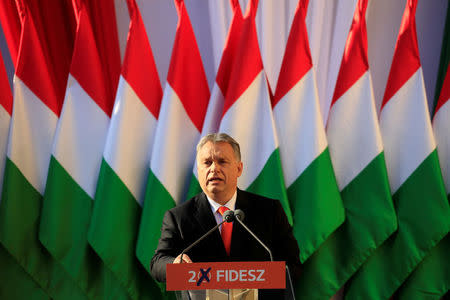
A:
[205,220]
[203,215]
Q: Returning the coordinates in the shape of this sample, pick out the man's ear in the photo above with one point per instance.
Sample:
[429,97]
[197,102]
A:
[240,168]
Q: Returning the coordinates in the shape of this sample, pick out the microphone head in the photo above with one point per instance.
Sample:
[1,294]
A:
[239,214]
[228,216]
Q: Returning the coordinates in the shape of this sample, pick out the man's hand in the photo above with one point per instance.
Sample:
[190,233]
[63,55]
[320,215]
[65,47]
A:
[186,259]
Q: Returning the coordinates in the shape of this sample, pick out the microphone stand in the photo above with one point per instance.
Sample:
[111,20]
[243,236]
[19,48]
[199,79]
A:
[228,216]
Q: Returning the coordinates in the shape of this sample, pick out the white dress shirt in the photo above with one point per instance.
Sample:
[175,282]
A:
[215,206]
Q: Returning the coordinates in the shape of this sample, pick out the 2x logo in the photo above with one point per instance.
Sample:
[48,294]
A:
[202,275]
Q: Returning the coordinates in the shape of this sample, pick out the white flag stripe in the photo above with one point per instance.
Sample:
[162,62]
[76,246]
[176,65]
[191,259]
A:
[254,113]
[173,158]
[364,143]
[213,115]
[126,160]
[441,124]
[33,126]
[320,31]
[329,69]
[79,142]
[404,118]
[5,119]
[214,111]
[273,20]
[220,16]
[302,139]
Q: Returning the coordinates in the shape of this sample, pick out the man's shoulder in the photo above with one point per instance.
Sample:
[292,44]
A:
[253,198]
[188,205]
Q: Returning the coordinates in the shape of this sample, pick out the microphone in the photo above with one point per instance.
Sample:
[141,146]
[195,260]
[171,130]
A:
[239,216]
[227,216]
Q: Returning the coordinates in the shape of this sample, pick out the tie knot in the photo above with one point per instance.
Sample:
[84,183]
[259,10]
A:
[222,209]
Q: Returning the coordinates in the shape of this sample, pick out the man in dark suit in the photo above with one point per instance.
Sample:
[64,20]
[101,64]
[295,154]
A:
[219,165]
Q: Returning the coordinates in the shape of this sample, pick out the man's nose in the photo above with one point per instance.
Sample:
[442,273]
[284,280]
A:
[214,166]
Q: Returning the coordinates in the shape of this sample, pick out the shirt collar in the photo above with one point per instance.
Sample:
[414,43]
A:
[231,204]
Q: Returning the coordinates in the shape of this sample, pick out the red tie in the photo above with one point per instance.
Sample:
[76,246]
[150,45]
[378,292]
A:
[227,228]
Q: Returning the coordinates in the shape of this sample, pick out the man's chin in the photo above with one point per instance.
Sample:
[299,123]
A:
[215,190]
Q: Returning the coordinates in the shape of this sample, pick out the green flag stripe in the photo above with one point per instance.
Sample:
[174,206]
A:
[348,247]
[423,219]
[194,187]
[316,205]
[20,201]
[157,202]
[15,283]
[65,219]
[19,224]
[270,183]
[113,234]
[431,279]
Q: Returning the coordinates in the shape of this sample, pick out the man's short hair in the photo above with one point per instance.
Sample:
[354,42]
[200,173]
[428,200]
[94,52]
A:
[220,137]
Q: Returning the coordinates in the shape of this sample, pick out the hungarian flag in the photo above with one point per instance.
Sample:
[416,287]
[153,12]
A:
[180,121]
[38,93]
[412,161]
[311,185]
[357,155]
[123,173]
[432,275]
[75,163]
[217,100]
[15,283]
[38,96]
[247,117]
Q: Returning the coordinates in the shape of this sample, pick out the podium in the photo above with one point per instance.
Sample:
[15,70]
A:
[229,280]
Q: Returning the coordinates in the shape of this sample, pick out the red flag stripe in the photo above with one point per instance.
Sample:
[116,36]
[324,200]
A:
[48,77]
[139,68]
[86,66]
[103,19]
[190,85]
[249,56]
[252,7]
[97,34]
[235,4]
[6,99]
[445,91]
[230,49]
[41,79]
[11,26]
[56,25]
[406,59]
[304,7]
[354,61]
[297,59]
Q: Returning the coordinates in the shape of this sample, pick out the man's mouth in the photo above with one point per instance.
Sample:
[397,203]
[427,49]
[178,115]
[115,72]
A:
[214,180]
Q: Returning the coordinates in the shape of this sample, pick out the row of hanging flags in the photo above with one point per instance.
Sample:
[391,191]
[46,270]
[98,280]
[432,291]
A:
[98,151]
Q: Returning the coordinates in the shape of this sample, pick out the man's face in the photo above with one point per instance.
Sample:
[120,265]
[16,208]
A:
[218,171]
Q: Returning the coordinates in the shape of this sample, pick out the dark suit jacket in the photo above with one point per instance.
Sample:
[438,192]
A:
[187,222]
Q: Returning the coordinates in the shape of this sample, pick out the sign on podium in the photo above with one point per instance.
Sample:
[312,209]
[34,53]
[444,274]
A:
[226,275]
[230,278]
